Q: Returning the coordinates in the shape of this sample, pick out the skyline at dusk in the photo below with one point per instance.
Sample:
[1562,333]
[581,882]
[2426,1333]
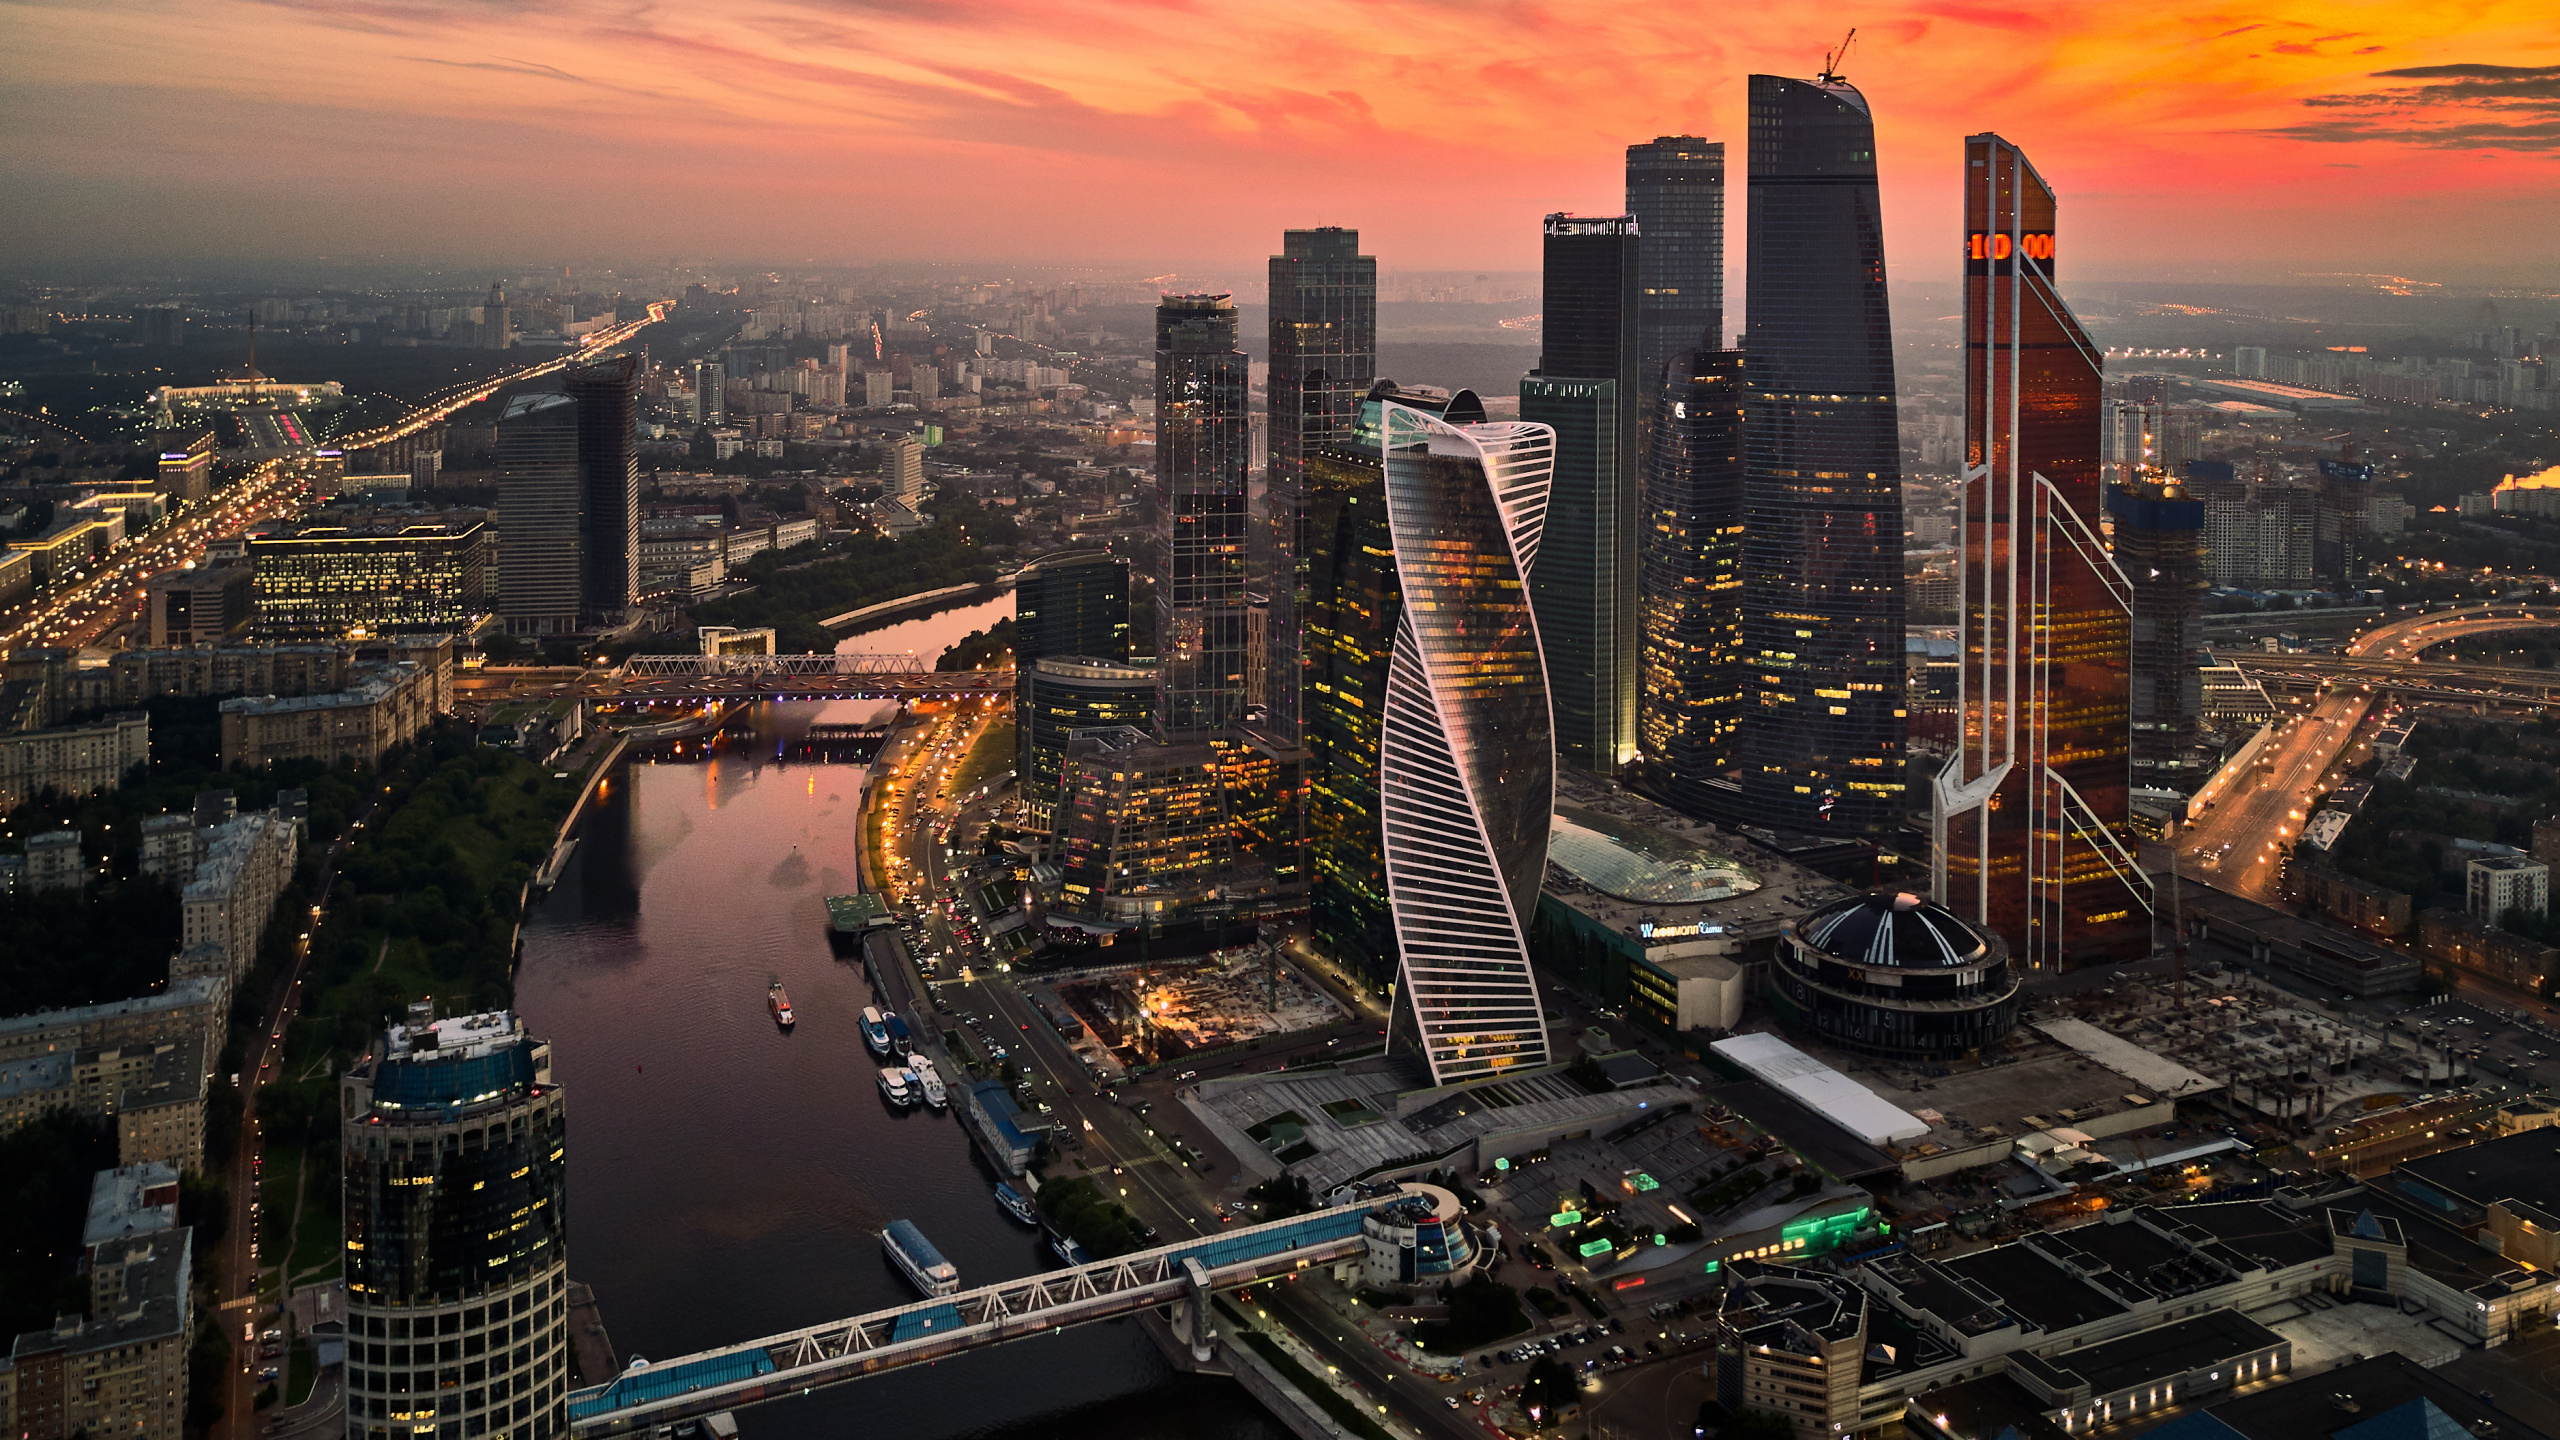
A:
[2276,142]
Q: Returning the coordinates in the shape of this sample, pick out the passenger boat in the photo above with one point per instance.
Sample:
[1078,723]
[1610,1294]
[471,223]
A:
[936,1094]
[779,1003]
[1017,1205]
[875,1033]
[1065,1248]
[899,1039]
[916,1258]
[898,1085]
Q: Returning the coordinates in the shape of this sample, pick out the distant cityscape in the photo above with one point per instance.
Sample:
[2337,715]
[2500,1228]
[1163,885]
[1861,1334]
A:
[1580,853]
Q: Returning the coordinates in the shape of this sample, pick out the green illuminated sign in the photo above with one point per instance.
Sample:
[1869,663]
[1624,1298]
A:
[1565,1217]
[1647,1182]
[1502,1163]
[1589,1248]
[1714,1265]
[1823,1232]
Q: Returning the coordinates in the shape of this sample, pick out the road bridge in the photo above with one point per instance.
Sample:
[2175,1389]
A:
[797,1361]
[821,676]
[2414,679]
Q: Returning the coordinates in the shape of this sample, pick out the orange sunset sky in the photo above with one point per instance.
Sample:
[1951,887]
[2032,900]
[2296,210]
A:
[2246,141]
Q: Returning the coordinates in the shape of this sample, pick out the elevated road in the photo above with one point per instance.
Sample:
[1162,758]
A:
[446,403]
[2417,679]
[653,1394]
[2245,818]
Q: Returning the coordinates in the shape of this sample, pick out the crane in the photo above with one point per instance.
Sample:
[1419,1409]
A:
[1831,60]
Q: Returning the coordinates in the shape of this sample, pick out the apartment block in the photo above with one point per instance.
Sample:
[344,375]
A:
[247,863]
[384,707]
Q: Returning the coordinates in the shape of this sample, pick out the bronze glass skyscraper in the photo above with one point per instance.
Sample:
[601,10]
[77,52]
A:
[1586,389]
[1822,542]
[2030,814]
[1692,592]
[1203,450]
[1324,353]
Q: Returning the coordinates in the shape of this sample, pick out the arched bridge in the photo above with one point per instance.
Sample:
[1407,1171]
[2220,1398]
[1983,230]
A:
[823,676]
[934,1329]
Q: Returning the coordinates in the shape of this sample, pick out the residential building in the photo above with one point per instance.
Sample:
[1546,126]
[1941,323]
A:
[1202,514]
[131,677]
[211,605]
[1822,534]
[72,543]
[54,861]
[382,706]
[455,1165]
[378,574]
[72,759]
[2031,814]
[1324,354]
[2501,883]
[17,574]
[1586,389]
[2158,542]
[122,1370]
[248,860]
[1692,674]
[1059,695]
[902,470]
[2486,950]
[1675,194]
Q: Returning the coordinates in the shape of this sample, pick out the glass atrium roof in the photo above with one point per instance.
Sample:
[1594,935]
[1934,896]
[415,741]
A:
[1641,863]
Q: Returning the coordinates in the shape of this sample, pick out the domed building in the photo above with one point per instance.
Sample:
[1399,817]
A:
[1892,975]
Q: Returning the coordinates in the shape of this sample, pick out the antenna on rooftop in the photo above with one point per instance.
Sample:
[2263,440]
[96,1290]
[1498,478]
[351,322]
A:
[1831,59]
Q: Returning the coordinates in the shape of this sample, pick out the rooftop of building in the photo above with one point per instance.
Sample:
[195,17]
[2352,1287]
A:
[1991,1407]
[455,1037]
[135,1200]
[2386,1397]
[1783,1307]
[150,1304]
[2164,1352]
[2524,1166]
[227,850]
[1610,843]
[379,525]
[2440,1250]
[1090,668]
[1897,930]
[194,990]
[2034,1287]
[366,685]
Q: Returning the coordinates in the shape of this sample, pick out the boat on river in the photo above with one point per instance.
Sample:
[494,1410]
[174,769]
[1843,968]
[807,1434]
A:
[929,1080]
[899,1039]
[898,1085]
[875,1031]
[779,1002]
[1017,1205]
[916,1258]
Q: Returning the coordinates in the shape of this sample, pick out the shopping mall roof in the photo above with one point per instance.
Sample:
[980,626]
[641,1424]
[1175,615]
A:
[1825,1091]
[1630,860]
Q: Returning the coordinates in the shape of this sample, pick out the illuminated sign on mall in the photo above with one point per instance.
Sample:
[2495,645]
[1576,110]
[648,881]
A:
[1648,930]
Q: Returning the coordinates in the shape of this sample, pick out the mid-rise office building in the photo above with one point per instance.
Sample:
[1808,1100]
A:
[902,468]
[608,397]
[1586,390]
[1142,831]
[2031,816]
[455,1164]
[1058,695]
[1822,541]
[2158,540]
[377,574]
[1692,706]
[209,605]
[1675,193]
[1324,353]
[1203,520]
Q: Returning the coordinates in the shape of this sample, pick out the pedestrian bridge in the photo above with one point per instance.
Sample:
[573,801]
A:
[702,1384]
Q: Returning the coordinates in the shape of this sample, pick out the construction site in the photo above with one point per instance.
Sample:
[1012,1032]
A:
[1147,1014]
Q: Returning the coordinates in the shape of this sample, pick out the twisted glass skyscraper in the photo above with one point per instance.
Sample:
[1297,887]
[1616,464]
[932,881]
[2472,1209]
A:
[1822,543]
[1203,453]
[2030,814]
[1467,750]
[1324,353]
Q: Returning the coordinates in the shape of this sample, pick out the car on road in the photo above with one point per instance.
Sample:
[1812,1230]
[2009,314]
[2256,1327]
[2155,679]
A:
[1186,1075]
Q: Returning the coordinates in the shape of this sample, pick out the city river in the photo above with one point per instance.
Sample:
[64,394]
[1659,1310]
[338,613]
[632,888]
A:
[728,1180]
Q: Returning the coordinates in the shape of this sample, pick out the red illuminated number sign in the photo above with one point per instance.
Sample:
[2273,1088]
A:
[1981,246]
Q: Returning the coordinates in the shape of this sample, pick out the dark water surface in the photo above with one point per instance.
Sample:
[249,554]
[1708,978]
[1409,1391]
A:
[727,1180]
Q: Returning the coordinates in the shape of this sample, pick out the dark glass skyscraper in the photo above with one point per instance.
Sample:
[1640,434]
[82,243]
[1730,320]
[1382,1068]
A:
[1203,452]
[454,1160]
[1586,389]
[608,397]
[1692,592]
[1324,353]
[1675,191]
[1071,604]
[2030,815]
[1822,530]
[2158,541]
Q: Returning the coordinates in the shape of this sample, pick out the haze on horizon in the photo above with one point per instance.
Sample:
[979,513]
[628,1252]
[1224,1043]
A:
[2340,138]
